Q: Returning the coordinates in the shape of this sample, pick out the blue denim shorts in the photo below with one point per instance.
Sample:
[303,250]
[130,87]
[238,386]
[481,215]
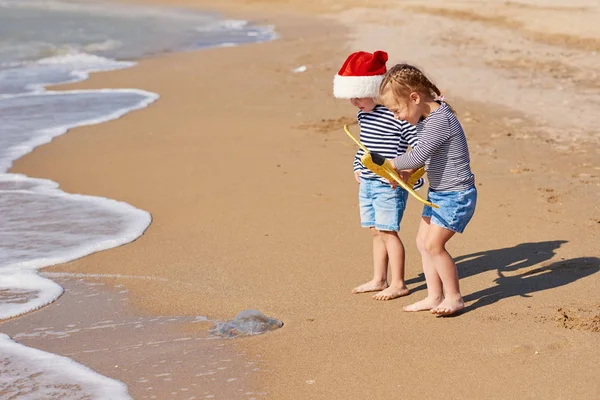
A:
[381,206]
[455,208]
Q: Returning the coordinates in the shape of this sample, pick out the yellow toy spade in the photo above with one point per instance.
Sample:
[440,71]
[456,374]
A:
[384,168]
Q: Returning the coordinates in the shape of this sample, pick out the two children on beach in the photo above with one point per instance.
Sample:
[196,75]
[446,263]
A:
[419,110]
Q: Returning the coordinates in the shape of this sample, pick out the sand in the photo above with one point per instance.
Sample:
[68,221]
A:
[247,174]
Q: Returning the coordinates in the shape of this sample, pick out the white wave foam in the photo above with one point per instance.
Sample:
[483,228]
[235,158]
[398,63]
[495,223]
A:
[82,107]
[24,291]
[70,66]
[29,373]
[117,276]
[40,225]
[43,226]
[72,225]
[77,60]
[233,24]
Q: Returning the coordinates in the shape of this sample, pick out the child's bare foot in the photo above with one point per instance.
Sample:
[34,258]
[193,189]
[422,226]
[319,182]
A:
[371,286]
[428,303]
[392,292]
[449,306]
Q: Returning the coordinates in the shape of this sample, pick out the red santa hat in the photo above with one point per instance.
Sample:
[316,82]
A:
[361,75]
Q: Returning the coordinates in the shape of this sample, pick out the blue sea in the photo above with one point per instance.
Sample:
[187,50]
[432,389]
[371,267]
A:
[50,42]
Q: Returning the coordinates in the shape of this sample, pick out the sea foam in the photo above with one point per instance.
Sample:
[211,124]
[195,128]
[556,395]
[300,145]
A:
[42,375]
[40,225]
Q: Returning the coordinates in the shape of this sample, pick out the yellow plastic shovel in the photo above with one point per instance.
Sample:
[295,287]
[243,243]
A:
[384,168]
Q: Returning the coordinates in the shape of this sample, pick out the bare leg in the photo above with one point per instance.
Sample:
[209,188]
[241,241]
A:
[395,252]
[435,247]
[435,294]
[380,262]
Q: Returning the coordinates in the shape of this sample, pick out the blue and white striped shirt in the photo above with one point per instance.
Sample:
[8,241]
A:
[381,133]
[444,151]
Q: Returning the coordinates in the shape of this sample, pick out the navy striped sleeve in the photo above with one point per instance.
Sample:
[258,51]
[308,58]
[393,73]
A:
[410,135]
[381,133]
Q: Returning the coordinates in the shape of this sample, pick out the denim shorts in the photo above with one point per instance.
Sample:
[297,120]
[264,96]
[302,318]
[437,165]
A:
[381,206]
[455,208]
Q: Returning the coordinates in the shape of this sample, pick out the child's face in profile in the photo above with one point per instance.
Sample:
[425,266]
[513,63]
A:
[407,110]
[366,104]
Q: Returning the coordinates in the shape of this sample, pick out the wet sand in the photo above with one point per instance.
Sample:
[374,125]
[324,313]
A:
[247,173]
[160,357]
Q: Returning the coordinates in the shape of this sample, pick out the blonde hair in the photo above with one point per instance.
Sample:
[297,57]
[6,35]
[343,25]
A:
[403,79]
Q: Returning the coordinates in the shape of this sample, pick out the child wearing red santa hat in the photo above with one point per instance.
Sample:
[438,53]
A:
[381,206]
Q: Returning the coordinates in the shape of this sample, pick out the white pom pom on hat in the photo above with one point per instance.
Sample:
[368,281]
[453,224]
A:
[361,75]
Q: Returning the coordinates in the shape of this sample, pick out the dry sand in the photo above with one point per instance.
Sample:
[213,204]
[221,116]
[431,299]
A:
[247,174]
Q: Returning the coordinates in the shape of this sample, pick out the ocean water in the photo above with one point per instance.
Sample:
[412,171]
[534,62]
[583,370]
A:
[160,357]
[48,376]
[50,42]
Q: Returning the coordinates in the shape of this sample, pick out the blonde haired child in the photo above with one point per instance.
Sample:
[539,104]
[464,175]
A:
[443,149]
[381,206]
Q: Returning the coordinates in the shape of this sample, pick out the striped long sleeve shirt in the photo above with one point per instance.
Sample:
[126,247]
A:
[381,133]
[443,150]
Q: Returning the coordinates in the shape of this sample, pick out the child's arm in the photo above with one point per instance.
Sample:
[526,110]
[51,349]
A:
[405,174]
[409,134]
[359,152]
[357,166]
[434,134]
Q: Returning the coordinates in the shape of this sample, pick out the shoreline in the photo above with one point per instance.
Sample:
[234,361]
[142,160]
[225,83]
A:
[301,250]
[12,323]
[155,356]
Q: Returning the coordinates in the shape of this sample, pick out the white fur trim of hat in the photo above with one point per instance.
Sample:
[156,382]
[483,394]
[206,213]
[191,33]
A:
[348,87]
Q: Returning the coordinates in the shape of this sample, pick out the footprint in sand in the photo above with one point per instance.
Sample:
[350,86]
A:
[552,198]
[580,318]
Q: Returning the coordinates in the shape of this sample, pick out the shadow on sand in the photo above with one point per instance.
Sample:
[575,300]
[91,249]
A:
[513,259]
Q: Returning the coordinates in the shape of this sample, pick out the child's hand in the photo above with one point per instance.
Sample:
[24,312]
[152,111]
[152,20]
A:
[405,174]
[357,176]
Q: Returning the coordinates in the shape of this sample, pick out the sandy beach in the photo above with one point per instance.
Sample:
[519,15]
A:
[246,171]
